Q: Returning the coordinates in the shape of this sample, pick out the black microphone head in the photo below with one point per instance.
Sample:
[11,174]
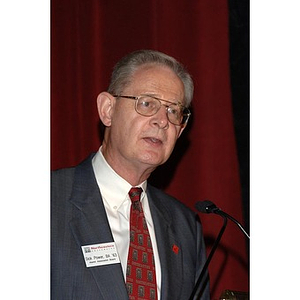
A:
[206,206]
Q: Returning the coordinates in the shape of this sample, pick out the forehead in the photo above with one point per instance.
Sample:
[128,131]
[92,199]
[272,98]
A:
[158,80]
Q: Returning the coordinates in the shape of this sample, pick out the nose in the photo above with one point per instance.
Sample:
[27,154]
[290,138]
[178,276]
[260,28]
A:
[160,119]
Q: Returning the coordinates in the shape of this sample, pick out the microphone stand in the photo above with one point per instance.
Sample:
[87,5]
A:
[224,214]
[212,251]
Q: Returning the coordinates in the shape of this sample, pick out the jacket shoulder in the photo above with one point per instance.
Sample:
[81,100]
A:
[62,182]
[171,203]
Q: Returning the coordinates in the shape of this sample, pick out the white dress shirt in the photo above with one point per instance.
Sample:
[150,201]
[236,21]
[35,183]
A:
[114,190]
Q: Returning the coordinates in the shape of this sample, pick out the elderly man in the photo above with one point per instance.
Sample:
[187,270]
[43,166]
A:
[113,235]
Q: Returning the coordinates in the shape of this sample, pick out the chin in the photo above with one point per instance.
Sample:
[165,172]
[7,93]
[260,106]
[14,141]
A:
[154,160]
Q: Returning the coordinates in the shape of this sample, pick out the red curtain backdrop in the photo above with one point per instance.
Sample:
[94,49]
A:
[87,39]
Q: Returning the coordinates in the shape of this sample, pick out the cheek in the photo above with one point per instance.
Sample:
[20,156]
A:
[171,142]
[175,137]
[127,130]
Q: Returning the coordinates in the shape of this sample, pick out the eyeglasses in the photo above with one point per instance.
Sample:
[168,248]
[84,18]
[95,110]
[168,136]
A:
[148,106]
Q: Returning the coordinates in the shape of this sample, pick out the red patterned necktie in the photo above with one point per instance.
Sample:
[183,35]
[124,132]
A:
[140,275]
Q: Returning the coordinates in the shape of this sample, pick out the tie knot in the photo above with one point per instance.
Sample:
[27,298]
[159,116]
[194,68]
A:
[135,194]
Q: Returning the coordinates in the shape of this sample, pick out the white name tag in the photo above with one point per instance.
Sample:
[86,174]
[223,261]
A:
[100,254]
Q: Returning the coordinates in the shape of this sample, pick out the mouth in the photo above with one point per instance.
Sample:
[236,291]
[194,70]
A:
[153,141]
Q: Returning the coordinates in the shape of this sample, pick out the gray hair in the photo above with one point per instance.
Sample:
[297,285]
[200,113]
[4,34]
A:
[126,67]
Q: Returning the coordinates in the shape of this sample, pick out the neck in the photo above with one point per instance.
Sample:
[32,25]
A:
[134,174]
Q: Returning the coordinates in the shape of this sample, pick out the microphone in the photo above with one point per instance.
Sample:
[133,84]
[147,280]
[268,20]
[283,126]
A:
[206,206]
[209,207]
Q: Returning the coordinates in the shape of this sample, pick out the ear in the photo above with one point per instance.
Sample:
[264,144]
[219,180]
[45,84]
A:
[105,104]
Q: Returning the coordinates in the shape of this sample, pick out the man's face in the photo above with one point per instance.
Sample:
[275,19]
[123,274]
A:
[141,141]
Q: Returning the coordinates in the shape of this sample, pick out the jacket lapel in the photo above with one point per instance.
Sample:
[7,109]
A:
[90,226]
[168,248]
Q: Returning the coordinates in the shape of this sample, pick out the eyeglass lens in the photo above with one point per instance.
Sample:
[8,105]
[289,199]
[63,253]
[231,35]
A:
[149,106]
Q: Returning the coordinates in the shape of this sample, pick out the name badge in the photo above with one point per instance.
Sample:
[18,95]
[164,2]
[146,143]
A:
[100,254]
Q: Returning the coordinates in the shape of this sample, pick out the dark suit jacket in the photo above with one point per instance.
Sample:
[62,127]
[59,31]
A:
[78,218]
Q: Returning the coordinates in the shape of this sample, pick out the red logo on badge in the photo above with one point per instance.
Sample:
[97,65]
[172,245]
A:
[175,249]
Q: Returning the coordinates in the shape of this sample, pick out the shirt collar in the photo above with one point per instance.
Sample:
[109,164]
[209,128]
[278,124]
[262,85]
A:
[114,189]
